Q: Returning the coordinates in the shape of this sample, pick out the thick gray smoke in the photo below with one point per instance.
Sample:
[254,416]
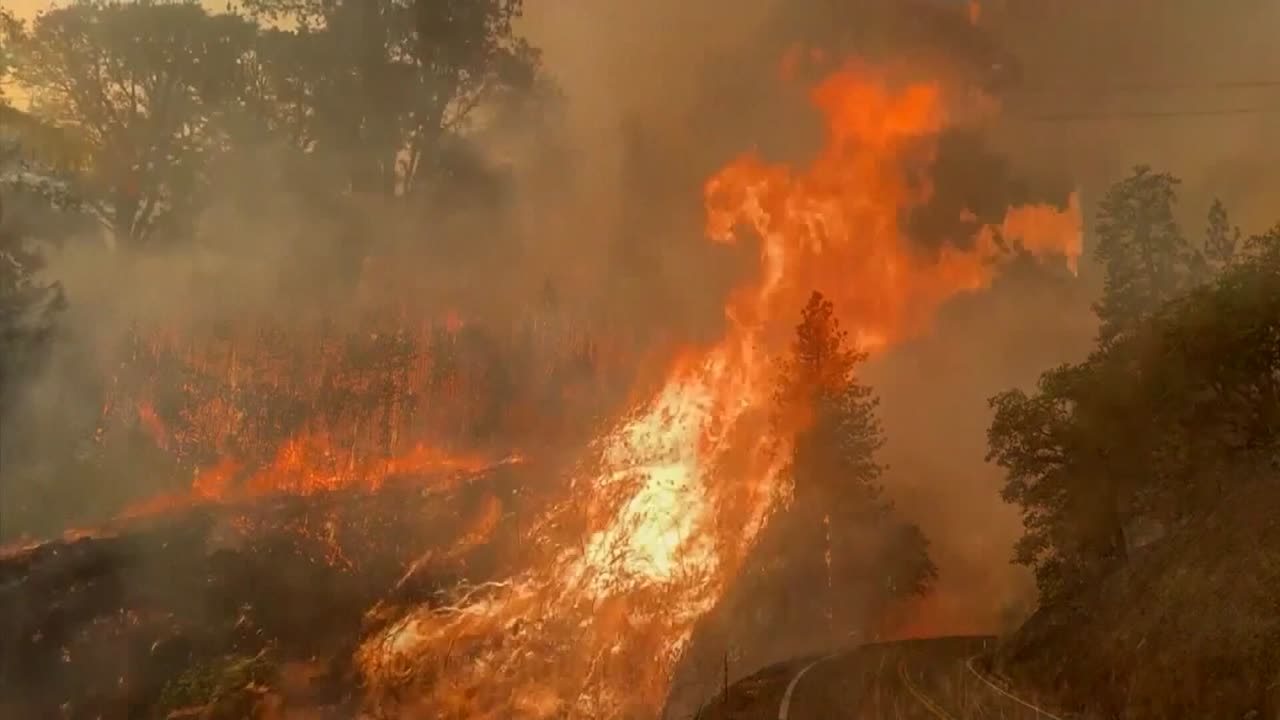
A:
[661,93]
[603,197]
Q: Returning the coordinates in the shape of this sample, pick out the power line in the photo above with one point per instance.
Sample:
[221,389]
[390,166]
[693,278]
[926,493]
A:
[1112,91]
[1147,114]
[1146,87]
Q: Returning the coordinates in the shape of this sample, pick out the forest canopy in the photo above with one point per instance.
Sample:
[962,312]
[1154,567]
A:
[1176,407]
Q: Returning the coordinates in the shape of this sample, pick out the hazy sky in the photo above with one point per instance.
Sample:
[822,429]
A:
[27,8]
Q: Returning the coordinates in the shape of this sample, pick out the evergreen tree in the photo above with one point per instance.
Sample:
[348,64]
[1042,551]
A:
[840,535]
[830,414]
[1146,257]
[1221,239]
[1178,404]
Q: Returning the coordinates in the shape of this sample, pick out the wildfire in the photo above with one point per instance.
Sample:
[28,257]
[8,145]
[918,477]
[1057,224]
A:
[260,404]
[310,464]
[663,518]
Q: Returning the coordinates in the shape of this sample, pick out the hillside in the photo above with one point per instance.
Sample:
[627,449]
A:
[1147,476]
[235,611]
[1189,627]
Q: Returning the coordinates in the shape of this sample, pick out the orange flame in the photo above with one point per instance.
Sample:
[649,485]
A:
[835,227]
[686,483]
[154,426]
[310,464]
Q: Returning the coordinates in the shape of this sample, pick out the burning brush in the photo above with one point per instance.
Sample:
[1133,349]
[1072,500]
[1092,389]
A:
[657,524]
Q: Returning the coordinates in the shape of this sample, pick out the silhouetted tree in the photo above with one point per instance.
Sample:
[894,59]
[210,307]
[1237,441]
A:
[831,415]
[1180,399]
[1221,238]
[1064,450]
[144,84]
[10,31]
[1147,259]
[23,133]
[384,84]
[839,532]
[1209,382]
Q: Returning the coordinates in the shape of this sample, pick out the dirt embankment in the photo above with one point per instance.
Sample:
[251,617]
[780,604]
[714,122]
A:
[1189,627]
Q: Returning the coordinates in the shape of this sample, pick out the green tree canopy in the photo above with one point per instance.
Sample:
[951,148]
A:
[145,84]
[1146,256]
[21,131]
[385,84]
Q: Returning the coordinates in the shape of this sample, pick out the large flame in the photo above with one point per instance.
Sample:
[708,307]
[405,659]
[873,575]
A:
[659,523]
[310,464]
[263,406]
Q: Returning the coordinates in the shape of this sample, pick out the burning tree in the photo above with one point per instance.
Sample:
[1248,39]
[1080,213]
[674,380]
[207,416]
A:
[830,566]
[838,535]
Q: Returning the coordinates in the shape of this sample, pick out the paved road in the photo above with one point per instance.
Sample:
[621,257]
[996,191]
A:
[918,679]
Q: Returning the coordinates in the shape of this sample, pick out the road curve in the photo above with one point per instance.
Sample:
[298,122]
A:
[928,679]
[784,708]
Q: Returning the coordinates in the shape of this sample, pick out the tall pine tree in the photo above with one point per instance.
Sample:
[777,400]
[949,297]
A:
[1147,259]
[841,534]
[1221,238]
[831,415]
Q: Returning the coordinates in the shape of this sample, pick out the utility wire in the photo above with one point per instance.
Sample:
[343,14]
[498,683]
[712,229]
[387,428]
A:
[1112,91]
[1145,114]
[1145,87]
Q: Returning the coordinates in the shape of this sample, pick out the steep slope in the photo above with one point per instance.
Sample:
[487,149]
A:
[1190,627]
[236,611]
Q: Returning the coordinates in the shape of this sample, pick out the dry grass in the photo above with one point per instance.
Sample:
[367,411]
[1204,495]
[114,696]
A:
[1189,628]
[959,695]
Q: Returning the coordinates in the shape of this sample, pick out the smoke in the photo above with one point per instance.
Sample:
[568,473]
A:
[1072,58]
[592,194]
[1179,57]
[270,250]
[660,95]
[602,200]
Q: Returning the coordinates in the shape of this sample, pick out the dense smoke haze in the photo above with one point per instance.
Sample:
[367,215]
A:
[692,78]
[583,197]
[655,96]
